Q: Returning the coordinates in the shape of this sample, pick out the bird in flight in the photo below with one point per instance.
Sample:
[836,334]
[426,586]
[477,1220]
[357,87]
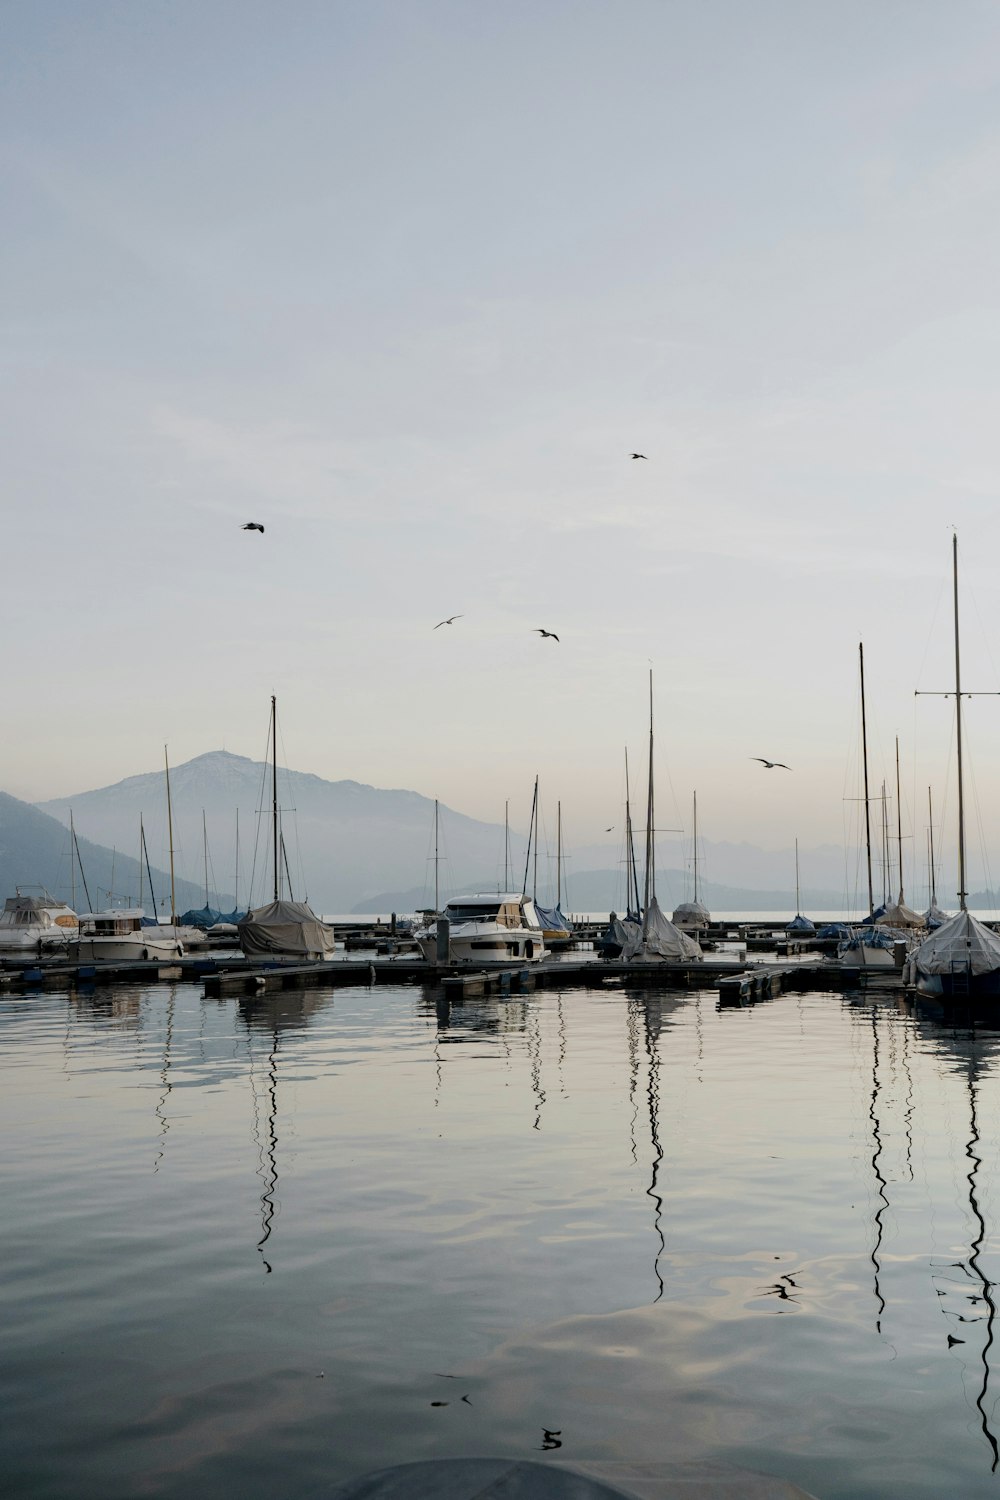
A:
[254,526]
[640,455]
[770,764]
[608,830]
[450,621]
[550,633]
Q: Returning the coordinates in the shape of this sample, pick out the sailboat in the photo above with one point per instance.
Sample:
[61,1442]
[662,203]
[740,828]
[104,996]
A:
[287,931]
[658,939]
[961,958]
[622,930]
[898,914]
[693,915]
[799,926]
[868,945]
[555,927]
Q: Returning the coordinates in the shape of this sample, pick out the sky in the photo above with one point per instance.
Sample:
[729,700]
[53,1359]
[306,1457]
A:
[407,283]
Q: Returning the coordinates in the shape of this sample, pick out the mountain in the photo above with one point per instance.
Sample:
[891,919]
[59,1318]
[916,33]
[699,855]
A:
[341,837]
[601,891]
[35,850]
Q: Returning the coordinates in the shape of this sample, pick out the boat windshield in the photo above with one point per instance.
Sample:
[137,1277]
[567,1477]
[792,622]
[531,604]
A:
[468,911]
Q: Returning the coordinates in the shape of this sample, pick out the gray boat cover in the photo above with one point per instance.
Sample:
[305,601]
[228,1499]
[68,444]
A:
[691,914]
[527,1479]
[284,929]
[934,916]
[899,915]
[660,939]
[963,943]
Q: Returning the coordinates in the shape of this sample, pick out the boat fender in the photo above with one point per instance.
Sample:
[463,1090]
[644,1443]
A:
[145,953]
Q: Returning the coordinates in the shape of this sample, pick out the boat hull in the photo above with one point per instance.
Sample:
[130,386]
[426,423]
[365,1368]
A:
[500,945]
[121,950]
[960,987]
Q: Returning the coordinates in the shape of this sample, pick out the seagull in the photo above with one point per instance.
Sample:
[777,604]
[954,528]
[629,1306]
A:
[770,764]
[450,621]
[640,455]
[550,633]
[254,526]
[608,830]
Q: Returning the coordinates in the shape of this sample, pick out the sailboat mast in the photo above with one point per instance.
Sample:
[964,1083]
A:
[534,878]
[204,835]
[149,873]
[864,754]
[695,860]
[170,836]
[437,899]
[531,826]
[930,839]
[631,875]
[558,855]
[899,824]
[236,883]
[958,734]
[72,863]
[885,847]
[650,881]
[274,789]
[798,904]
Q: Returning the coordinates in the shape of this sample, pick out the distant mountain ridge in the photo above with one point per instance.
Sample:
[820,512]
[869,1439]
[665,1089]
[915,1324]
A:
[35,851]
[345,838]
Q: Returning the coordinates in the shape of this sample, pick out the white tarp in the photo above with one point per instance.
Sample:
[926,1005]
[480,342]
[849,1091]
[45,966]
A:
[934,916]
[285,929]
[899,915]
[961,943]
[691,914]
[660,939]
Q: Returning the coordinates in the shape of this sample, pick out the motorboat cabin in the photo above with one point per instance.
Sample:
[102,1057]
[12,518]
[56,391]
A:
[119,934]
[488,929]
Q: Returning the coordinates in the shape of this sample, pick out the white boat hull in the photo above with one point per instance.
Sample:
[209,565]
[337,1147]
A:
[122,949]
[34,940]
[487,944]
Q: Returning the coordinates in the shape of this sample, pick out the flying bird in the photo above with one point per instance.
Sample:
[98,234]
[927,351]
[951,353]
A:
[640,455]
[550,633]
[450,621]
[254,526]
[770,764]
[608,830]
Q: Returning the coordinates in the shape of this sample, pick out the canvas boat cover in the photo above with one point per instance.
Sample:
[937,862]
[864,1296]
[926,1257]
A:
[963,943]
[867,937]
[201,916]
[934,916]
[799,923]
[691,914]
[284,929]
[658,938]
[621,931]
[834,930]
[899,915]
[552,919]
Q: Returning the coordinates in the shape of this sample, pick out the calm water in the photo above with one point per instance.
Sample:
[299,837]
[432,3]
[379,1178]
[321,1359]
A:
[253,1247]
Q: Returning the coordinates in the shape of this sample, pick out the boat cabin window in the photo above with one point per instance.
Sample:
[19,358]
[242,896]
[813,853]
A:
[509,915]
[467,911]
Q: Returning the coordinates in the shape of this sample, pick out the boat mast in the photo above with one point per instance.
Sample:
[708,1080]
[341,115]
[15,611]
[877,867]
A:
[864,750]
[531,825]
[631,876]
[650,879]
[930,838]
[534,878]
[274,789]
[437,901]
[149,873]
[204,834]
[558,856]
[236,892]
[170,836]
[72,863]
[958,734]
[798,904]
[899,824]
[885,847]
[695,797]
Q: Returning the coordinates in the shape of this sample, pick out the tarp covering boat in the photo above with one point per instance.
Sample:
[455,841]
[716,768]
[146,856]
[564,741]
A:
[552,920]
[799,923]
[691,916]
[658,938]
[899,915]
[285,929]
[619,932]
[962,944]
[202,916]
[934,916]
[834,930]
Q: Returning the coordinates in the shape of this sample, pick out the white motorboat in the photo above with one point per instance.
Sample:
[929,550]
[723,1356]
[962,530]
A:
[119,934]
[38,924]
[488,929]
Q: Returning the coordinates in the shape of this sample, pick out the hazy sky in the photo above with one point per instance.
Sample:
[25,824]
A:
[408,282]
